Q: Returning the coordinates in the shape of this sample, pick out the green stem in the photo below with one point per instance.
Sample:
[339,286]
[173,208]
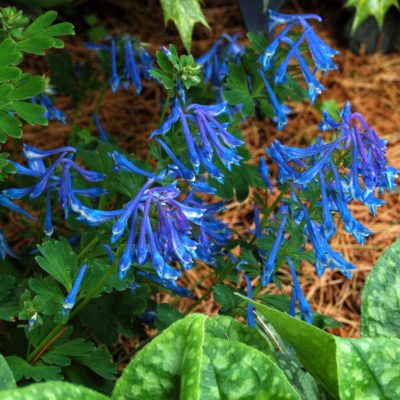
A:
[87,248]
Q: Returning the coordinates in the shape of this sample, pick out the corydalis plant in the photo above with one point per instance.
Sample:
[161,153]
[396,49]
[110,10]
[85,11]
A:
[318,183]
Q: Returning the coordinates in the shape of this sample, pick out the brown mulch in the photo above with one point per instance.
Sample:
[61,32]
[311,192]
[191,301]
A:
[370,82]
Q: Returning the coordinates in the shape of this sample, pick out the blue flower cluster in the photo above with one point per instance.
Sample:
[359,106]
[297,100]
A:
[351,167]
[55,181]
[161,228]
[206,138]
[130,61]
[226,49]
[321,55]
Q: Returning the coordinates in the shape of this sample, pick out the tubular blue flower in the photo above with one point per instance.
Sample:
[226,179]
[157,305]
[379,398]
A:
[304,306]
[351,225]
[250,309]
[48,226]
[114,78]
[52,112]
[32,321]
[269,265]
[5,202]
[123,164]
[276,18]
[120,225]
[100,129]
[5,249]
[280,73]
[186,173]
[127,256]
[131,70]
[32,153]
[325,256]
[70,299]
[280,115]
[263,170]
[109,251]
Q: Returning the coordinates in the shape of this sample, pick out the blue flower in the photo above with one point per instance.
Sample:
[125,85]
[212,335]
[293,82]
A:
[50,181]
[131,53]
[100,129]
[70,299]
[210,136]
[215,61]
[280,115]
[5,249]
[263,170]
[52,112]
[320,52]
[250,309]
[297,293]
[269,265]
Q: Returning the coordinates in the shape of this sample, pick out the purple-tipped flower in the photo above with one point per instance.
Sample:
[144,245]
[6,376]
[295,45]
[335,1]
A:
[70,299]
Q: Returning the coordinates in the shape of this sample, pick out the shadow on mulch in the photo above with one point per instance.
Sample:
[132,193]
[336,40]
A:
[370,82]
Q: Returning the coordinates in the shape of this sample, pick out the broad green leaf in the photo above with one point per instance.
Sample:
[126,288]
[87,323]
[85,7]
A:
[368,368]
[37,372]
[53,391]
[315,348]
[365,8]
[185,14]
[233,331]
[187,362]
[31,113]
[380,312]
[7,380]
[305,384]
[58,260]
[28,87]
[238,372]
[347,368]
